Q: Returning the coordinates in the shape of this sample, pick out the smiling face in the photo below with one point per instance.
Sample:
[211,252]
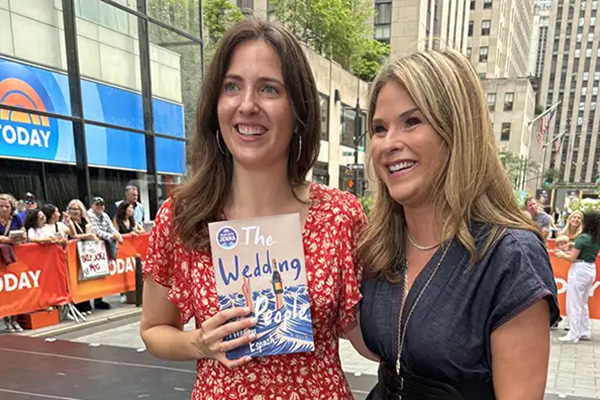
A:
[129,211]
[41,218]
[5,209]
[407,152]
[575,220]
[254,111]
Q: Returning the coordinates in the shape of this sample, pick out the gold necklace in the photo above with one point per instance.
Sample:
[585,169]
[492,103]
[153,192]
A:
[402,328]
[414,243]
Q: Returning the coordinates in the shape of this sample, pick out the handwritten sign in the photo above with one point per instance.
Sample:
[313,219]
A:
[259,263]
[93,259]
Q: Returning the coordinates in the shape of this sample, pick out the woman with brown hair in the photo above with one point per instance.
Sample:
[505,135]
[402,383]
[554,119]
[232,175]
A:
[458,289]
[574,225]
[9,222]
[124,220]
[257,137]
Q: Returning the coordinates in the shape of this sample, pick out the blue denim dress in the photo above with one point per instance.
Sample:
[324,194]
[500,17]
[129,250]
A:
[449,332]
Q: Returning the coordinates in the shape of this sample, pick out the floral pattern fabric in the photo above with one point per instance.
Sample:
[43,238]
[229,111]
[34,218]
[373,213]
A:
[333,224]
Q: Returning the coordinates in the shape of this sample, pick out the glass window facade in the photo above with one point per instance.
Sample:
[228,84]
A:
[106,94]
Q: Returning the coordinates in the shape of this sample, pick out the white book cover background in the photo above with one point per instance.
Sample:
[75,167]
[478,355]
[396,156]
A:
[259,263]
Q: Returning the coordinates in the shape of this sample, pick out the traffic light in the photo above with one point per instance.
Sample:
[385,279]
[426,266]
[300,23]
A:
[350,183]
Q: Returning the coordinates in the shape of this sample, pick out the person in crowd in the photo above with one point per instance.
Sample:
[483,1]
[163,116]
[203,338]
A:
[30,204]
[573,226]
[34,224]
[54,227]
[257,137]
[20,207]
[124,220]
[557,216]
[105,230]
[458,291]
[9,222]
[81,228]
[541,219]
[131,196]
[563,243]
[582,275]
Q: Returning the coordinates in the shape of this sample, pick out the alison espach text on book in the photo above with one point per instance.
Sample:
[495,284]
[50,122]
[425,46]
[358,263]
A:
[259,263]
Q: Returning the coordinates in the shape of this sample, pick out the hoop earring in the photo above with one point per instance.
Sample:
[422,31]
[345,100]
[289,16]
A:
[299,148]
[218,141]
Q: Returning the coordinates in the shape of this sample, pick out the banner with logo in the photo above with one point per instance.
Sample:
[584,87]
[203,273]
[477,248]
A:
[561,275]
[29,136]
[92,258]
[121,272]
[35,282]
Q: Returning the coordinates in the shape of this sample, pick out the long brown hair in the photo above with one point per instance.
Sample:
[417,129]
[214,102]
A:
[200,200]
[471,185]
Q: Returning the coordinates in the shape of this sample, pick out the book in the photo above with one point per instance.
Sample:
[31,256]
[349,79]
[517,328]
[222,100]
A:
[17,234]
[259,263]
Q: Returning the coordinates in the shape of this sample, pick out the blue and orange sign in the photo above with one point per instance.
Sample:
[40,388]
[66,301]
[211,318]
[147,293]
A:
[29,135]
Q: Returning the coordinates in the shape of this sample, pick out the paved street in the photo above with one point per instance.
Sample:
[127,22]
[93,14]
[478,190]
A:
[574,371]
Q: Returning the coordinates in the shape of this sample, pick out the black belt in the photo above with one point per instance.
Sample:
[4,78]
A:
[413,387]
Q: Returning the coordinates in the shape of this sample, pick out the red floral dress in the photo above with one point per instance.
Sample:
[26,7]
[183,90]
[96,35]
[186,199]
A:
[333,224]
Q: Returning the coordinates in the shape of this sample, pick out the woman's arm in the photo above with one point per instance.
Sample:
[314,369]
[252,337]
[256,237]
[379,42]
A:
[571,257]
[46,240]
[520,353]
[353,333]
[161,329]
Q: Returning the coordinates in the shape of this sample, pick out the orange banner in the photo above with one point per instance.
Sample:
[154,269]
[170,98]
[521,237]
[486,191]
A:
[35,282]
[122,271]
[561,273]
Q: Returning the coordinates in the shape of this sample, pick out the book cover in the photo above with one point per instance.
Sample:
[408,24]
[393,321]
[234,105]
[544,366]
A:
[259,263]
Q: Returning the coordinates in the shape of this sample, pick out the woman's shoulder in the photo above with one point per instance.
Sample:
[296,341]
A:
[336,201]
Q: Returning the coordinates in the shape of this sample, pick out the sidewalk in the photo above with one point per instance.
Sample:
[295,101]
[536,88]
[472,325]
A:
[574,369]
[118,311]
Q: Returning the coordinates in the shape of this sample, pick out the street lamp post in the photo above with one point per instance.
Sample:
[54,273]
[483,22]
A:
[356,142]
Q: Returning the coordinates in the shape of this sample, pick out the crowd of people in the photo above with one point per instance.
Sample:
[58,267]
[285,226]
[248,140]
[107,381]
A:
[579,243]
[29,221]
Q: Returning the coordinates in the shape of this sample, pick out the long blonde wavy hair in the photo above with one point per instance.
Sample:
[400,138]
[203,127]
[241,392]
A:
[567,230]
[472,184]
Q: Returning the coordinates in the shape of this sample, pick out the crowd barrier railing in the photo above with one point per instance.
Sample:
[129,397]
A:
[121,276]
[48,275]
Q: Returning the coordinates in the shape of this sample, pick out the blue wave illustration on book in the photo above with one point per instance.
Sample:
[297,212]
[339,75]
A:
[275,333]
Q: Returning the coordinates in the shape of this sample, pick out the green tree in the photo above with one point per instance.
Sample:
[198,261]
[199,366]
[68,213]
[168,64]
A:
[515,165]
[373,54]
[338,29]
[218,16]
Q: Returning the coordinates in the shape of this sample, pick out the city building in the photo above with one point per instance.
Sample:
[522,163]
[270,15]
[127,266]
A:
[572,76]
[409,25]
[539,38]
[498,43]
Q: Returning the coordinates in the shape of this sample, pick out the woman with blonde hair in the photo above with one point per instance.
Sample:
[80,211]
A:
[574,225]
[458,289]
[81,228]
